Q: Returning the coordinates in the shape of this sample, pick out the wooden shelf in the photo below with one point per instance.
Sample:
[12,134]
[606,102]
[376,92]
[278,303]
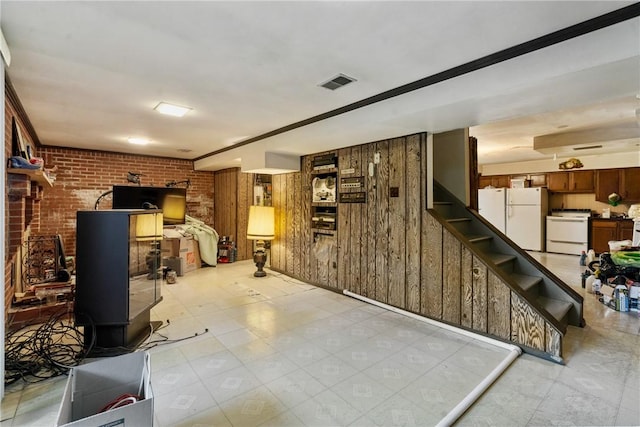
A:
[327,171]
[323,231]
[36,175]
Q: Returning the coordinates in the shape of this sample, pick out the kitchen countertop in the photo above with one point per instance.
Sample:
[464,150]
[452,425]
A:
[620,218]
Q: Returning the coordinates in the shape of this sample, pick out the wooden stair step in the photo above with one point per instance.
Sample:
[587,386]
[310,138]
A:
[526,282]
[444,208]
[558,309]
[459,220]
[499,259]
[479,238]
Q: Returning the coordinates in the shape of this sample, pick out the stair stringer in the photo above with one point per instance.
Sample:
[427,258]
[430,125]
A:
[491,303]
[551,286]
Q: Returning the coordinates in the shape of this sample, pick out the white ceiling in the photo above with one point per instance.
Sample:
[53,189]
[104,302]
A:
[90,73]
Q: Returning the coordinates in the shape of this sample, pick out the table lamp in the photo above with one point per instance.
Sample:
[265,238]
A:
[260,228]
[149,229]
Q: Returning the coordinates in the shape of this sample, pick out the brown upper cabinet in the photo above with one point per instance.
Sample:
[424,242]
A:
[558,181]
[582,181]
[496,181]
[625,182]
[571,182]
[602,182]
[607,182]
[630,184]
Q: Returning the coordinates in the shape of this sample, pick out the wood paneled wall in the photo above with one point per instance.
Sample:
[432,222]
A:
[233,194]
[377,243]
[392,250]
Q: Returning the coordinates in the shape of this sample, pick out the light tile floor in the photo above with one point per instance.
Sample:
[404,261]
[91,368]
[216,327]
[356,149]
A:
[282,353]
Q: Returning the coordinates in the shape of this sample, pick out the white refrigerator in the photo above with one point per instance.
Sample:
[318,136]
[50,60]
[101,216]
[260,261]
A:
[492,206]
[526,216]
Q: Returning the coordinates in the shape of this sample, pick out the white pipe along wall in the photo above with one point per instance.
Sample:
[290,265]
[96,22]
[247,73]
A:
[460,408]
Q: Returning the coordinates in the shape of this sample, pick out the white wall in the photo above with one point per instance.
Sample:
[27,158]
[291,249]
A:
[603,161]
[450,151]
[570,201]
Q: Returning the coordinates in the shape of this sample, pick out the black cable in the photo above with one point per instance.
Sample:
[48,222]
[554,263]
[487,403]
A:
[35,353]
[287,279]
[102,196]
[38,352]
[166,340]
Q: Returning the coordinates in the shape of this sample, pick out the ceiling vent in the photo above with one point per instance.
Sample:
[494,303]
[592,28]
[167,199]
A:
[337,82]
[590,147]
[613,137]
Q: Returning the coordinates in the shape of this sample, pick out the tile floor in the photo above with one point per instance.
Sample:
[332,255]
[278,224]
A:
[282,353]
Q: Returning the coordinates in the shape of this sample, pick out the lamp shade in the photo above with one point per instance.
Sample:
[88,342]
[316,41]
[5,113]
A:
[148,227]
[173,208]
[261,223]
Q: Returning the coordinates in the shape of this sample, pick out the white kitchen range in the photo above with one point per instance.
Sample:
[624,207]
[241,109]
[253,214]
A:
[568,231]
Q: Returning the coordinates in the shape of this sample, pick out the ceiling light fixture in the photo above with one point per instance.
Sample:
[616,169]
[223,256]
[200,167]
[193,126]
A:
[139,141]
[172,109]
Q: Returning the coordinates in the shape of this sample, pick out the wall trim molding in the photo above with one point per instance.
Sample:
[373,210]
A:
[538,43]
[12,97]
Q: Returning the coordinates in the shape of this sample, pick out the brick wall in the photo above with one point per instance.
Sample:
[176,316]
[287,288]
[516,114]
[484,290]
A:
[22,201]
[7,263]
[82,176]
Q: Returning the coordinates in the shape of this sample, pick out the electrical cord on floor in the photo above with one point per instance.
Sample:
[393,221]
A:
[149,343]
[165,340]
[288,279]
[39,352]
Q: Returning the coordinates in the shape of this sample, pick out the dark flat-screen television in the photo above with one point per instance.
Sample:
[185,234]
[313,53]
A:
[172,201]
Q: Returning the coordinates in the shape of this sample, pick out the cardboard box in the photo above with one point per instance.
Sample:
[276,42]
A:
[191,256]
[92,386]
[175,263]
[171,247]
[185,248]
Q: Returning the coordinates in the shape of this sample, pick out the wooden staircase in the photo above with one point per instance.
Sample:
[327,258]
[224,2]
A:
[546,294]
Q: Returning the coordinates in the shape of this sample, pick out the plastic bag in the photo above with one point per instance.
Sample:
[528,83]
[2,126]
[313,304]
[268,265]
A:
[626,258]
